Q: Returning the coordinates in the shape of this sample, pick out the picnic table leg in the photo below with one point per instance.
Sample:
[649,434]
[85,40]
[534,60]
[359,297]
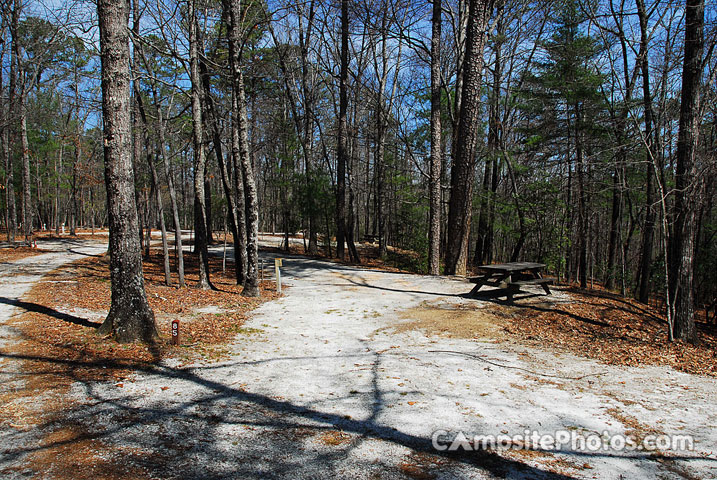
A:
[480,283]
[544,285]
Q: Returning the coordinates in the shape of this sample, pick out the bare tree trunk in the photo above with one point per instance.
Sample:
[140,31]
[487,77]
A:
[341,148]
[200,162]
[241,125]
[240,247]
[153,170]
[10,213]
[239,240]
[170,186]
[251,197]
[434,235]
[648,229]
[130,317]
[462,173]
[26,185]
[682,261]
[582,200]
[160,213]
[12,115]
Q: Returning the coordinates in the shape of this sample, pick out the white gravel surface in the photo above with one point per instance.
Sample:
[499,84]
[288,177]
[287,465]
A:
[320,386]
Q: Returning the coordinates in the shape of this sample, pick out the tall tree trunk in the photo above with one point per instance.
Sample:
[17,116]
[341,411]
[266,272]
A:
[200,162]
[484,240]
[156,191]
[160,213]
[682,261]
[239,240]
[10,213]
[582,200]
[251,197]
[304,38]
[434,235]
[463,170]
[241,125]
[240,247]
[130,317]
[170,186]
[648,229]
[342,142]
[26,184]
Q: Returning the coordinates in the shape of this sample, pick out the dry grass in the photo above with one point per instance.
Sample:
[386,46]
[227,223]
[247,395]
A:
[452,321]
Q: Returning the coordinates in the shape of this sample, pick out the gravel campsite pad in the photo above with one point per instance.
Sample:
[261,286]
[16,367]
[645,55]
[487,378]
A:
[355,373]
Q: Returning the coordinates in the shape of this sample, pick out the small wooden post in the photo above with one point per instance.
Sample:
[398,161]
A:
[175,332]
[277,272]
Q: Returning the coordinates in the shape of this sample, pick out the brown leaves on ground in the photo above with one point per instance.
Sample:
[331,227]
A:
[207,317]
[9,254]
[613,329]
[397,260]
[60,346]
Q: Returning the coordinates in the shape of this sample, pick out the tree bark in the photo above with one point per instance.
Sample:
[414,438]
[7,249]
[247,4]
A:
[462,173]
[130,317]
[434,235]
[7,134]
[682,261]
[241,125]
[649,227]
[26,185]
[341,148]
[200,161]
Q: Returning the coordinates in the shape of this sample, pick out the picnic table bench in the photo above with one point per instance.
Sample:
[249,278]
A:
[501,275]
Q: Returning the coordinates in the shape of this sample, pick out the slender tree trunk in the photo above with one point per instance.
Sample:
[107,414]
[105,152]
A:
[682,261]
[130,317]
[200,163]
[241,125]
[342,142]
[251,197]
[434,235]
[462,172]
[160,213]
[582,201]
[649,227]
[484,240]
[304,38]
[170,186]
[240,247]
[239,240]
[9,130]
[26,184]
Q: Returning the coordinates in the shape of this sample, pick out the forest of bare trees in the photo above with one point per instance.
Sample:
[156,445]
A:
[580,134]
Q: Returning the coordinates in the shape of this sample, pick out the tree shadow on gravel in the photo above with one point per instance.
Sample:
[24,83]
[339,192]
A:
[231,433]
[37,308]
[223,431]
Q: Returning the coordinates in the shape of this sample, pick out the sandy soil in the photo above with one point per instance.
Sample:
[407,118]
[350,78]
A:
[352,372]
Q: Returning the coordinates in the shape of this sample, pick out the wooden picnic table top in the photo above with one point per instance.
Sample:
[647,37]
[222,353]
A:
[512,267]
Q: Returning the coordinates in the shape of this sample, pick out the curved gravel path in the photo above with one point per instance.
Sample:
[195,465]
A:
[324,383]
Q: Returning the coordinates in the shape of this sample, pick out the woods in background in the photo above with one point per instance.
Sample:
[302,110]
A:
[582,135]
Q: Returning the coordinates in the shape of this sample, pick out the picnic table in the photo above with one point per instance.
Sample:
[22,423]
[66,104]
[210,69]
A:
[501,275]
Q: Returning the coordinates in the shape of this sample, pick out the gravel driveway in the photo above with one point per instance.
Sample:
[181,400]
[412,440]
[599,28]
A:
[327,382]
